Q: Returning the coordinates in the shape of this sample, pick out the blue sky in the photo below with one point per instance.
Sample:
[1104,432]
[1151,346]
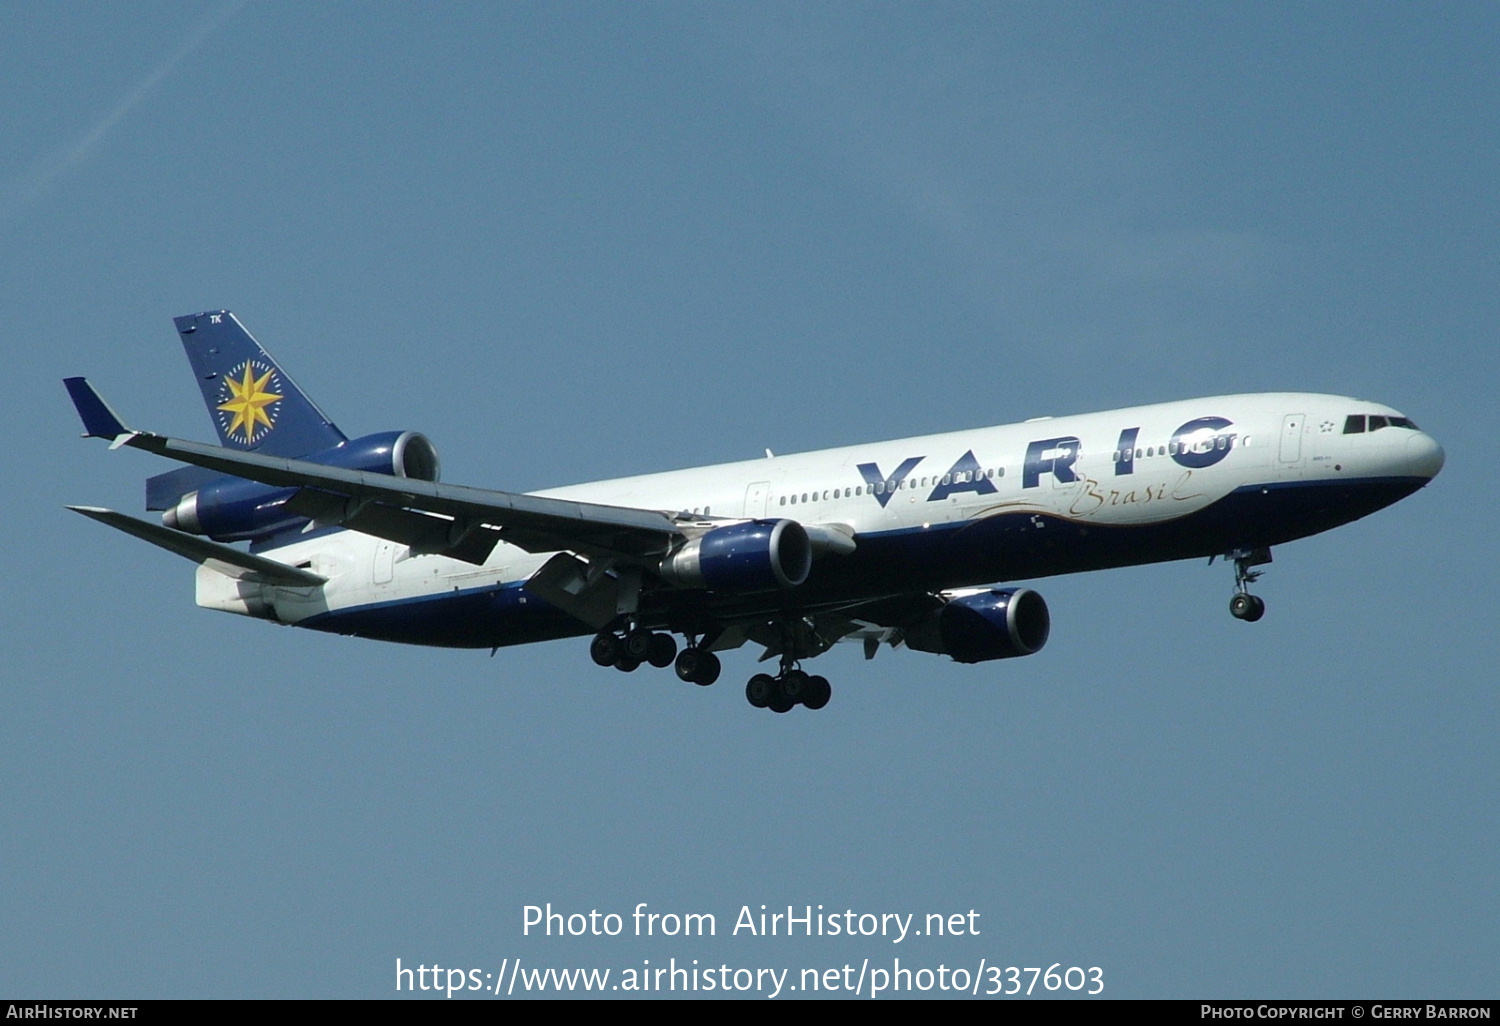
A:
[572,241]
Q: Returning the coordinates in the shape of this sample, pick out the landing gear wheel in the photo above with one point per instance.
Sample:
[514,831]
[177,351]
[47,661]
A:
[627,664]
[779,702]
[606,648]
[1247,607]
[792,686]
[759,690]
[695,666]
[688,662]
[663,651]
[638,644]
[818,692]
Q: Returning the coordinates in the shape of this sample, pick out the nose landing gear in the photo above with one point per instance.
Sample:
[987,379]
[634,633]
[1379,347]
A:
[1245,606]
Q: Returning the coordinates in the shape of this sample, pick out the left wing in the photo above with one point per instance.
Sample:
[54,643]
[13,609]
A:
[453,519]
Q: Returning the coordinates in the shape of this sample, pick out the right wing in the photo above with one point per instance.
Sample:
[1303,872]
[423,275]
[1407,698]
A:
[453,519]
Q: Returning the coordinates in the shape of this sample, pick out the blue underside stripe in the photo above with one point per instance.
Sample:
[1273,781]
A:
[1004,547]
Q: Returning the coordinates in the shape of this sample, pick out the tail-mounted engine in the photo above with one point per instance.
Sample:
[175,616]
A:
[997,623]
[233,509]
[760,555]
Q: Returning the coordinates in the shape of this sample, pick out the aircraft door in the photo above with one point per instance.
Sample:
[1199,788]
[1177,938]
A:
[1291,437]
[1290,464]
[755,499]
[385,561]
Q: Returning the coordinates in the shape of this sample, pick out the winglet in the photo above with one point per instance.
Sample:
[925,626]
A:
[99,420]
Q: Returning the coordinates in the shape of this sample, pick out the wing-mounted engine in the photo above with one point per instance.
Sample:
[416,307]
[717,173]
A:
[234,509]
[758,555]
[996,623]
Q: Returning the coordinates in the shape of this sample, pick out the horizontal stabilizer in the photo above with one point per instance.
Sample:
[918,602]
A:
[230,562]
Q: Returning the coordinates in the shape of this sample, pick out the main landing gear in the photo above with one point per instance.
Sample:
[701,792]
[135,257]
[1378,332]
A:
[629,650]
[791,686]
[698,666]
[788,688]
[1245,606]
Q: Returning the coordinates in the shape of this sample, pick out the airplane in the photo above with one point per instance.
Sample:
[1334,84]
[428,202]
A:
[916,542]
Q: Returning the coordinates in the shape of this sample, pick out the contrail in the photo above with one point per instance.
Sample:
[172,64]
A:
[23,190]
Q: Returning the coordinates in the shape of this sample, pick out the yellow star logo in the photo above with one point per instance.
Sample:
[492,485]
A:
[248,403]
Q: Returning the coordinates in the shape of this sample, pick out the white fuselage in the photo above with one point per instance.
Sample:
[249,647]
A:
[1127,468]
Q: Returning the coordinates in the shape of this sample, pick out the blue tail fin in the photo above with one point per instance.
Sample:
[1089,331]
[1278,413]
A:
[254,405]
[252,402]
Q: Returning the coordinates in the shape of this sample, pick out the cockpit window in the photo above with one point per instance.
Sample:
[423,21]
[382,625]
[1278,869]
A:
[1354,424]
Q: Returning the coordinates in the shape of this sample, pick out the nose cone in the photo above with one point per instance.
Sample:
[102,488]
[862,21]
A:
[1424,457]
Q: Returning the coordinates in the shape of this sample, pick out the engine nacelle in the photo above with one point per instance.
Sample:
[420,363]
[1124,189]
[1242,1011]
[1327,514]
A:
[760,555]
[233,509]
[999,623]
